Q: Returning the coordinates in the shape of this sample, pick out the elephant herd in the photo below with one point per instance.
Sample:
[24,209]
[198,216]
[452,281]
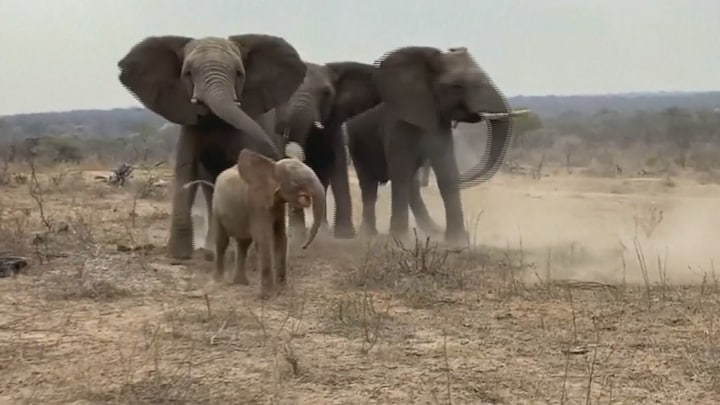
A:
[255,92]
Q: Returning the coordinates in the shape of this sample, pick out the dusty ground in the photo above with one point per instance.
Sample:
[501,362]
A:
[579,290]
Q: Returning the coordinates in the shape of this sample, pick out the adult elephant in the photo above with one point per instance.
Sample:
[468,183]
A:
[425,91]
[366,141]
[218,90]
[329,95]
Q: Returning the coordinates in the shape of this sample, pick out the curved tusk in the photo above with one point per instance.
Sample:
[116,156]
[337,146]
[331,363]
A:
[295,151]
[515,113]
[495,116]
[318,125]
[194,100]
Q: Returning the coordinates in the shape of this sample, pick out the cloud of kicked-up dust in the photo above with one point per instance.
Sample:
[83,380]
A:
[578,228]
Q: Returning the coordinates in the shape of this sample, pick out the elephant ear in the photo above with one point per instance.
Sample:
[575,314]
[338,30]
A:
[259,173]
[405,82]
[151,71]
[355,89]
[273,71]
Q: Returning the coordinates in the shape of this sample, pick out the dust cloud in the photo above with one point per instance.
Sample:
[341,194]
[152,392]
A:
[591,229]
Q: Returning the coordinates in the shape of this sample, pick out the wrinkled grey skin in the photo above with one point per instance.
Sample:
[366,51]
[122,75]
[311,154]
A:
[424,91]
[312,118]
[220,90]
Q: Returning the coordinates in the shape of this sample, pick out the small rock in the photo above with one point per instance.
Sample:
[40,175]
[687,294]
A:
[11,265]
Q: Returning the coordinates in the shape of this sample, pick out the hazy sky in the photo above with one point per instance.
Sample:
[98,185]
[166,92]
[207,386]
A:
[62,54]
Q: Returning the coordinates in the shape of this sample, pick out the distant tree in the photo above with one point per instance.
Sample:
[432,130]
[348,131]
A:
[57,149]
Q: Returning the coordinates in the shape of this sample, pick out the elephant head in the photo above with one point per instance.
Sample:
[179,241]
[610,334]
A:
[287,180]
[329,95]
[431,89]
[196,81]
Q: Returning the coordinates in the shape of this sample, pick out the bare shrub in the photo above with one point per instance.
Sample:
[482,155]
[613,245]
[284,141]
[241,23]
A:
[420,272]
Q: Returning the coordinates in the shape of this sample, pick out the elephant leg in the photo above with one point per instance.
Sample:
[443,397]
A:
[262,230]
[297,223]
[447,175]
[209,246]
[180,243]
[241,254]
[420,211]
[210,240]
[339,180]
[222,241]
[324,177]
[280,246]
[368,192]
[401,170]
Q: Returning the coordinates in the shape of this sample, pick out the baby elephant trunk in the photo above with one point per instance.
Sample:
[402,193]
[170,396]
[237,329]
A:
[318,202]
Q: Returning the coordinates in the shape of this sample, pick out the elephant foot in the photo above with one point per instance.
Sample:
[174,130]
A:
[368,231]
[346,231]
[180,247]
[457,238]
[241,280]
[179,253]
[267,292]
[218,278]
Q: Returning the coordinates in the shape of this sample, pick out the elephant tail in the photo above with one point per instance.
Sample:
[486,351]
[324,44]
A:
[190,183]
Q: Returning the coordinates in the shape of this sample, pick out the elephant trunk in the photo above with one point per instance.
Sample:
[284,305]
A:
[219,95]
[497,141]
[318,201]
[303,116]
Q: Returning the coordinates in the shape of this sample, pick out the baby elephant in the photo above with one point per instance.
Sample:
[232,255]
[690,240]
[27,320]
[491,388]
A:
[248,205]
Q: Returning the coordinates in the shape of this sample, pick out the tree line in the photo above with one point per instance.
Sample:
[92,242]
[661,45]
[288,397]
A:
[659,129]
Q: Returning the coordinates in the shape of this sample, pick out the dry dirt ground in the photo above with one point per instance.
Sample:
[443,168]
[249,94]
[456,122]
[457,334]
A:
[574,290]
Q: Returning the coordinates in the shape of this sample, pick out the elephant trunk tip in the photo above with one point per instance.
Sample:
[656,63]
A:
[318,201]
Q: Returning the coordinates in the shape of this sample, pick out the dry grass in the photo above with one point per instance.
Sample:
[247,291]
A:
[101,316]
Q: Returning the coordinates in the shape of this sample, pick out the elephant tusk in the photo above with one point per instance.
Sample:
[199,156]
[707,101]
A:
[318,125]
[194,100]
[516,113]
[238,103]
[495,116]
